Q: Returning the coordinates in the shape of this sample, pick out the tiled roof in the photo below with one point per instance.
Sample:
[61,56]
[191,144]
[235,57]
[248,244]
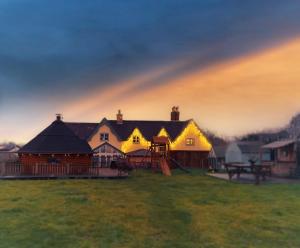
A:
[124,130]
[279,144]
[147,128]
[220,151]
[57,138]
[139,153]
[82,130]
[249,146]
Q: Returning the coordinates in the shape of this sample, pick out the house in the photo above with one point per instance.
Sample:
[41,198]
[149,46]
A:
[243,152]
[188,144]
[57,144]
[9,152]
[282,155]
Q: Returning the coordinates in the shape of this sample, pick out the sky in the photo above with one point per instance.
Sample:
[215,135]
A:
[231,65]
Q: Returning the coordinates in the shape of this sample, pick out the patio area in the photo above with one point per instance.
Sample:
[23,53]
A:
[250,179]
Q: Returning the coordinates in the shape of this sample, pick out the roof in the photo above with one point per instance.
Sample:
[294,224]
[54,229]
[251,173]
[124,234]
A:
[82,130]
[108,144]
[57,138]
[139,153]
[278,144]
[160,140]
[220,151]
[249,146]
[9,148]
[147,128]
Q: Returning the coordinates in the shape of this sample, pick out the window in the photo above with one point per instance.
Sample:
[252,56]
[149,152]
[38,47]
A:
[135,139]
[104,136]
[190,142]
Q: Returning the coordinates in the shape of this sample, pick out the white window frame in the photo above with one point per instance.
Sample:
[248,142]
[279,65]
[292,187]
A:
[104,136]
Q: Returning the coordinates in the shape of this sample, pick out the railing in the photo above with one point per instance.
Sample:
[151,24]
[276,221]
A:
[53,170]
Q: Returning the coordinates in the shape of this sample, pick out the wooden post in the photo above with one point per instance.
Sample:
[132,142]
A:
[297,171]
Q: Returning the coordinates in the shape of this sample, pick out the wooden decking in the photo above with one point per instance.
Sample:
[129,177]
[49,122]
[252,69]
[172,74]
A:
[49,171]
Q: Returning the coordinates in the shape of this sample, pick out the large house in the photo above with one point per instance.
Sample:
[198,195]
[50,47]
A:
[111,139]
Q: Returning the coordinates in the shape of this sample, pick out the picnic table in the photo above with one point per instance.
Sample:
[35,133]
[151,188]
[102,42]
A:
[259,171]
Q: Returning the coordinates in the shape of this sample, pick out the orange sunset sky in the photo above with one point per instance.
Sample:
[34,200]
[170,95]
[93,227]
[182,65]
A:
[232,66]
[249,93]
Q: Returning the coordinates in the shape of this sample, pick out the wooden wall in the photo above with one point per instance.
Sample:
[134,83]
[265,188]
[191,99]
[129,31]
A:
[196,159]
[74,159]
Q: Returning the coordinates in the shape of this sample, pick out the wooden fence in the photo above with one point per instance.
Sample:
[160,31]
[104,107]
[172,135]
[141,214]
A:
[53,170]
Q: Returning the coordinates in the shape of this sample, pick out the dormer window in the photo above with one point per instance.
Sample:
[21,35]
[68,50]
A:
[104,136]
[190,142]
[135,139]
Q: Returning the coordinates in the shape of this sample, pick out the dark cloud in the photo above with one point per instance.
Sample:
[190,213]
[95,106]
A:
[47,45]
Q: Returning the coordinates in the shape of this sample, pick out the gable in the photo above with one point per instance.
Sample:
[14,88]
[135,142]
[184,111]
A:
[191,131]
[108,148]
[163,133]
[94,140]
[128,145]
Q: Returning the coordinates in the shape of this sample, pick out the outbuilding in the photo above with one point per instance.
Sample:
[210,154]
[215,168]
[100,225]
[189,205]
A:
[57,144]
[243,152]
[282,156]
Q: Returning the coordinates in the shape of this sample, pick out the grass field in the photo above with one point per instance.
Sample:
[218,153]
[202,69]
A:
[148,210]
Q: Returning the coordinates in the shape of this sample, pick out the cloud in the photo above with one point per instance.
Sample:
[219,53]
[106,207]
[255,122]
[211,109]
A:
[56,44]
[55,53]
[249,93]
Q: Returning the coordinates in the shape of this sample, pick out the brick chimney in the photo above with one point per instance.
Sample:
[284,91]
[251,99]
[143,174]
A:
[59,117]
[175,114]
[119,117]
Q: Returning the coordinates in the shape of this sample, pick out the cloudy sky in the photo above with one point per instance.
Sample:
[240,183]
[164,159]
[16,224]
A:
[232,65]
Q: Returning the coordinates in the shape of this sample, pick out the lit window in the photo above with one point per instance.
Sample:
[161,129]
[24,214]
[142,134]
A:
[135,139]
[190,142]
[104,136]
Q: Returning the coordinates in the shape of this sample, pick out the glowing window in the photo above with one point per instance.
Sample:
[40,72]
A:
[135,139]
[104,136]
[190,142]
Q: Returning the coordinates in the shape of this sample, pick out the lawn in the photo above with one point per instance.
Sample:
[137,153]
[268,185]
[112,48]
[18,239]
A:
[148,210]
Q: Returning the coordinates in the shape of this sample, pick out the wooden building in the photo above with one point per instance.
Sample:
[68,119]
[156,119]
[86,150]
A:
[57,144]
[282,156]
[188,144]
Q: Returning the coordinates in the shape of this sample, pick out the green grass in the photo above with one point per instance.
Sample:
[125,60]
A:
[148,210]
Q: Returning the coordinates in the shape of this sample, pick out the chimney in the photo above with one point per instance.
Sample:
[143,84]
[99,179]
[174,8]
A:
[119,117]
[175,114]
[59,117]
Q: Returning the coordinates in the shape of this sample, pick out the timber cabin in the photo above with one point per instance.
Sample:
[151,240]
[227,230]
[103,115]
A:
[112,139]
[282,156]
[57,144]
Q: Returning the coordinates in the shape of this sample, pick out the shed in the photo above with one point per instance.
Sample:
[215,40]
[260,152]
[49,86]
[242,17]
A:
[282,155]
